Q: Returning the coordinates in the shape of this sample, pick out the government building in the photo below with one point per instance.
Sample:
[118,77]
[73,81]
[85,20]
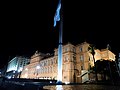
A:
[15,66]
[76,61]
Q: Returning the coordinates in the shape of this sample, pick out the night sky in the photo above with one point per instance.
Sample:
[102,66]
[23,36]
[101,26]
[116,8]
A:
[28,26]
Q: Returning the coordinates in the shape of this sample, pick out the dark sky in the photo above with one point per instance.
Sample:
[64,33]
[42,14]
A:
[28,26]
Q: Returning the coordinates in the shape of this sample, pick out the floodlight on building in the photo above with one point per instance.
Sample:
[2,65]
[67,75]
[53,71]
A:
[9,77]
[38,67]
[66,82]
[20,69]
[14,71]
[50,81]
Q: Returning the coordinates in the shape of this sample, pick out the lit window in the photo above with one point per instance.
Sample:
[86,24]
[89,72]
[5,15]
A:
[81,58]
[66,58]
[80,49]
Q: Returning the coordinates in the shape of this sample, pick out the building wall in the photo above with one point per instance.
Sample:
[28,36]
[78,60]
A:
[103,54]
[12,65]
[48,66]
[76,61]
[22,61]
[16,65]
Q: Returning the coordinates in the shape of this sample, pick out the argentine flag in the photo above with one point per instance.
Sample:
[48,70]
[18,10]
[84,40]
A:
[57,14]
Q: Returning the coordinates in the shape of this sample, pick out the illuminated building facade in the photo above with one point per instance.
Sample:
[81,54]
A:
[103,54]
[16,65]
[76,61]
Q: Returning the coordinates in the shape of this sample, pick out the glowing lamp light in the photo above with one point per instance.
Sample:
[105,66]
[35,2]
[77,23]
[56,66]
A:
[50,81]
[20,69]
[67,82]
[37,67]
[9,77]
[14,71]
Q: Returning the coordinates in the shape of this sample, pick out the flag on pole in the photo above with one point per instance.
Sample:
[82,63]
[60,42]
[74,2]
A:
[57,14]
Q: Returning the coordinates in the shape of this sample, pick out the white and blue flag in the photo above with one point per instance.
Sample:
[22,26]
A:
[57,14]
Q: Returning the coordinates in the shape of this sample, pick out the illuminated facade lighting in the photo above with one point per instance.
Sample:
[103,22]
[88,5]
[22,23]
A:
[76,62]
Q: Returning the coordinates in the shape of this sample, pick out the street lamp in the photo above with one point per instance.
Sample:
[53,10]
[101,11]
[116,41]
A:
[37,67]
[20,71]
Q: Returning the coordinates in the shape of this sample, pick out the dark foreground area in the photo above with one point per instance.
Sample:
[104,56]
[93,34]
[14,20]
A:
[28,86]
[47,85]
[23,84]
[11,86]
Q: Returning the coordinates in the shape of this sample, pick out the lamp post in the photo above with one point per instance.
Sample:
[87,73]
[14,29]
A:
[20,71]
[37,67]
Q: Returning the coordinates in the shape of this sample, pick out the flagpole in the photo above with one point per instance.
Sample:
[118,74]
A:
[59,17]
[59,77]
